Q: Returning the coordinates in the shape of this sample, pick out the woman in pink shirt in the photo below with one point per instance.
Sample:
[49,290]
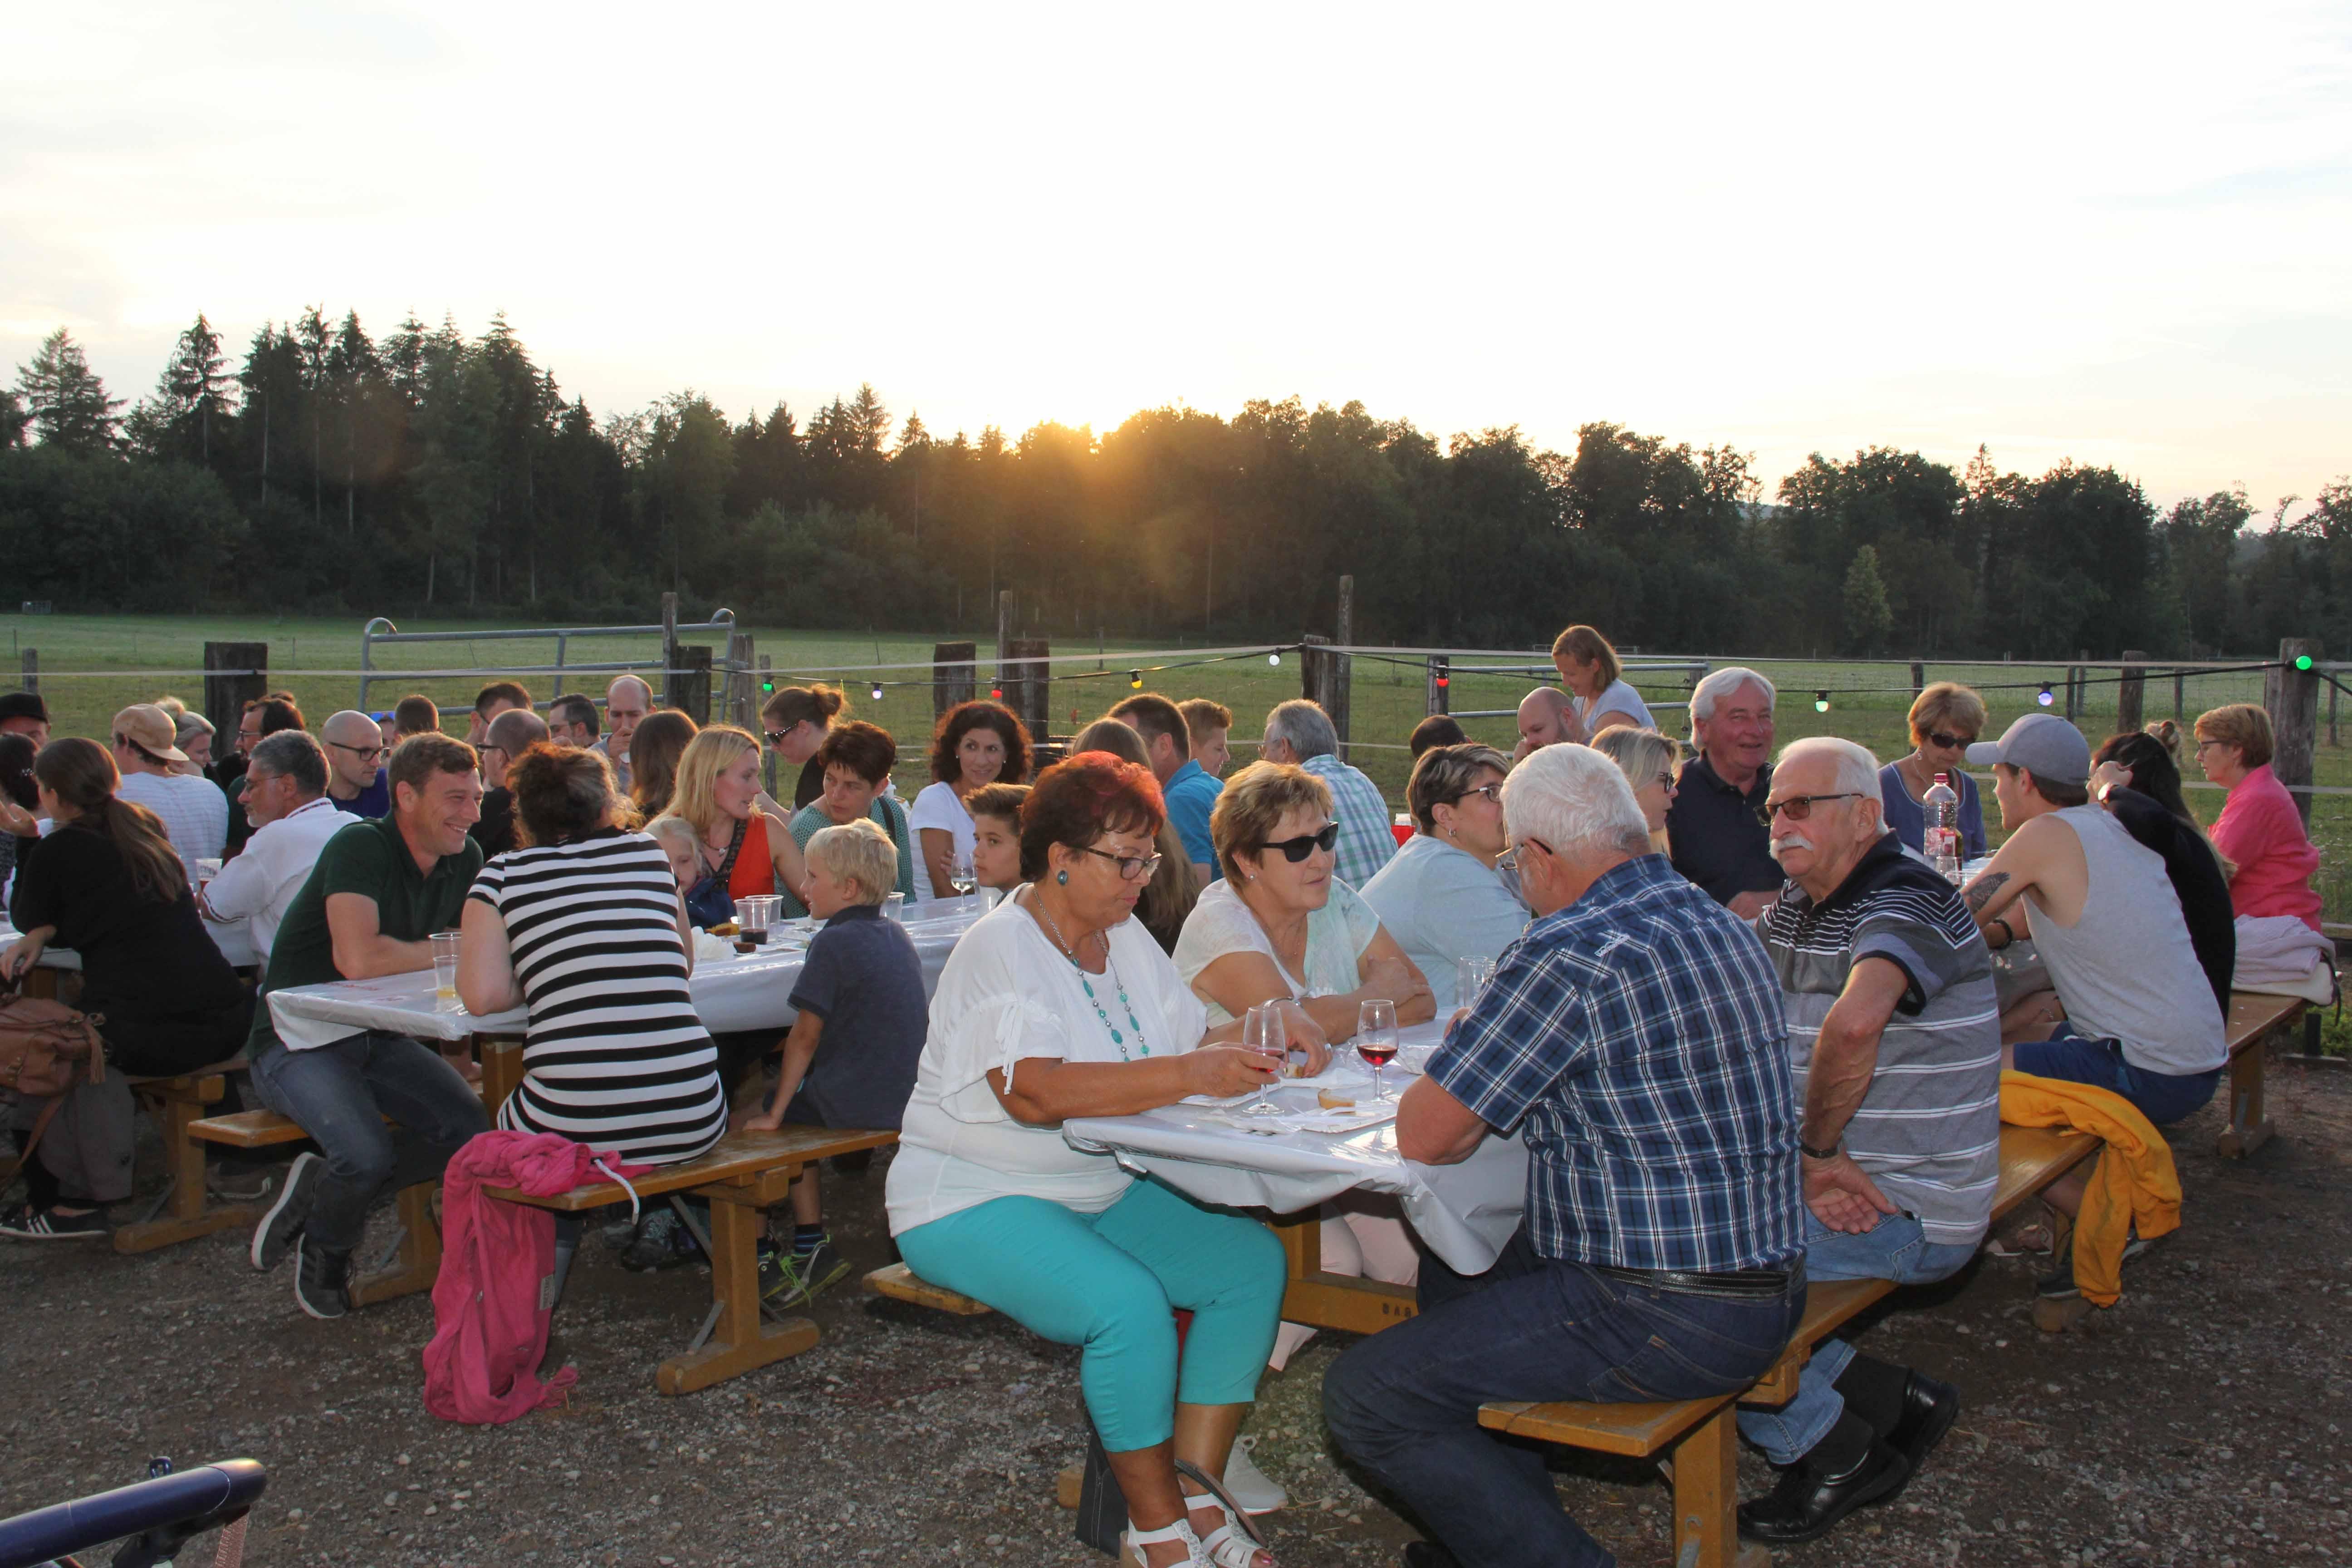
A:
[2259,828]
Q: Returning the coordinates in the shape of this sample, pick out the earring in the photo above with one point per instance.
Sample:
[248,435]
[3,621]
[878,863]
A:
[1061,878]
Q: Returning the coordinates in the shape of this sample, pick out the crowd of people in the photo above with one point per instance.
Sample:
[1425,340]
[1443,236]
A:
[1747,1033]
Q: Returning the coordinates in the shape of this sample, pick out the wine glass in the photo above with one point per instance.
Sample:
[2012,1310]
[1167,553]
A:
[1262,1031]
[1376,1039]
[960,876]
[1471,976]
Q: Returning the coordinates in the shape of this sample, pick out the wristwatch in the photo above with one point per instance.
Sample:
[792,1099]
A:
[1813,1154]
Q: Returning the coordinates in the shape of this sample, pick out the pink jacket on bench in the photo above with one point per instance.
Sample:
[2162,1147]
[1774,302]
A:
[491,1301]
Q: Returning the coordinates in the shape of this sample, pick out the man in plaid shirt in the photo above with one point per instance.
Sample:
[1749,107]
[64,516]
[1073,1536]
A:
[1634,1037]
[1301,732]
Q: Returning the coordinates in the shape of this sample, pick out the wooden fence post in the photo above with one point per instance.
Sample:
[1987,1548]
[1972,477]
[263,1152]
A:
[1028,689]
[2292,697]
[1918,680]
[1342,665]
[2180,709]
[953,669]
[1315,671]
[32,663]
[1440,693]
[742,701]
[692,687]
[2131,693]
[226,691]
[669,651]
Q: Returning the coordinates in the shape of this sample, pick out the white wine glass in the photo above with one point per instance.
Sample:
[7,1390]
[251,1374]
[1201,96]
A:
[960,876]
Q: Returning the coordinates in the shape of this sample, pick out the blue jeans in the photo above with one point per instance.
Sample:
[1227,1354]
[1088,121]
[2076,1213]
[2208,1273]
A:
[1895,1248]
[1403,1403]
[340,1093]
[1110,1282]
[2163,1098]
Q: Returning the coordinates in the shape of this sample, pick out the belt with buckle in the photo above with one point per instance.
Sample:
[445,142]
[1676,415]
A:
[1745,1284]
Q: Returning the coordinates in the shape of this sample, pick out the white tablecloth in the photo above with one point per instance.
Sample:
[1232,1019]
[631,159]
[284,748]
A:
[1465,1213]
[734,992]
[234,938]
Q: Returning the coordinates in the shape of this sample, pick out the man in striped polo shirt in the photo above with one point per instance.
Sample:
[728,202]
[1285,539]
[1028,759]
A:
[1894,1039]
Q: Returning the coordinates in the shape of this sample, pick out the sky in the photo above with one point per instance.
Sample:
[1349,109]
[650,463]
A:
[2119,233]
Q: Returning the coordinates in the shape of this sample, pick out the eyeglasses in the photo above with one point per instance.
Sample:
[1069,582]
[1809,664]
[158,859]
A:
[1510,859]
[1131,868]
[1797,807]
[1949,742]
[1666,782]
[377,752]
[1493,791]
[2202,744]
[1296,850]
[776,737]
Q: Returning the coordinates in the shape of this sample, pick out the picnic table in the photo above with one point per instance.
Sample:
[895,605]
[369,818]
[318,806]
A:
[234,938]
[1464,1213]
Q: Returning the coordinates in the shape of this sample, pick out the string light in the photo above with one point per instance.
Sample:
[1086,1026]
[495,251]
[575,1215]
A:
[996,694]
[1820,701]
[1443,681]
[877,691]
[2043,698]
[2303,661]
[766,686]
[1135,680]
[1274,658]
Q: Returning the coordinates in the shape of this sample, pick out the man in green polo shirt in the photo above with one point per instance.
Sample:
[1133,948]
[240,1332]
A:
[378,893]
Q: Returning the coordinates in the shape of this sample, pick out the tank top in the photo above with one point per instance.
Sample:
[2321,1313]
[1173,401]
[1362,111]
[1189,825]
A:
[755,870]
[2126,971]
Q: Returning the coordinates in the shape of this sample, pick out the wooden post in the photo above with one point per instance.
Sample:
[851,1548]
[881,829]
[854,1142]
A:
[1918,680]
[32,662]
[669,651]
[2179,708]
[740,704]
[2332,741]
[1003,634]
[693,688]
[1315,671]
[953,668]
[1028,690]
[225,694]
[1343,666]
[2131,693]
[2292,697]
[1440,696]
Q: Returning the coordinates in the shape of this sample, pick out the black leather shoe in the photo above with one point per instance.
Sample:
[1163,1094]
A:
[1806,1503]
[1929,1408]
[1428,1554]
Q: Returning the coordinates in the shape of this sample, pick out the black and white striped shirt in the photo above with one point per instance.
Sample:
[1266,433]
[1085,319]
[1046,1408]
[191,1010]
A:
[614,1057]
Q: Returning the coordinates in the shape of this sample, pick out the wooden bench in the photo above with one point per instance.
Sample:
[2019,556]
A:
[2255,1020]
[745,1174]
[1701,1436]
[899,1283]
[178,1103]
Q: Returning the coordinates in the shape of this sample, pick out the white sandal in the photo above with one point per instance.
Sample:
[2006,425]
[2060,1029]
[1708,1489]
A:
[1132,1543]
[1235,1543]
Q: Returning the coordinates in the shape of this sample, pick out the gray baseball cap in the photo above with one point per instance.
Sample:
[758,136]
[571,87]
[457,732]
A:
[2044,745]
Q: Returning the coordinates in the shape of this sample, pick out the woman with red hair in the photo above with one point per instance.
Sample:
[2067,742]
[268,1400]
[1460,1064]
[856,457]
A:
[1058,1003]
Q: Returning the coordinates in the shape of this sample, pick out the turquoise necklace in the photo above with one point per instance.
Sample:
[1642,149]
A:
[1142,1046]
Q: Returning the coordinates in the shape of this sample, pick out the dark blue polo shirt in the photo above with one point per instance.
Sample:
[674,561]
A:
[1716,836]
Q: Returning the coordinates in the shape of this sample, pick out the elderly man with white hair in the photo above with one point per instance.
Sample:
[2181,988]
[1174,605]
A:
[626,702]
[1894,1039]
[1715,829]
[1547,718]
[1633,1036]
[1301,732]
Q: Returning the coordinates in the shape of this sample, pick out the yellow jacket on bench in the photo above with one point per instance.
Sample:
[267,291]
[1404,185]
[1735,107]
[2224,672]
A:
[2134,1184]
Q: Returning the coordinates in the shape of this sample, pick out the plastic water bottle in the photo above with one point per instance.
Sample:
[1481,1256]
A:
[1942,839]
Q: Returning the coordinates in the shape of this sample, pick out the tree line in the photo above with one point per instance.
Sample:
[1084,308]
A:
[329,471]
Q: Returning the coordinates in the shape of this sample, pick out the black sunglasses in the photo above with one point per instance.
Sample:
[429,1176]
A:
[1296,850]
[1949,742]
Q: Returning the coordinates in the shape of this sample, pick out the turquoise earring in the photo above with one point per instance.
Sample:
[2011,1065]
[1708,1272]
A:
[1063,878]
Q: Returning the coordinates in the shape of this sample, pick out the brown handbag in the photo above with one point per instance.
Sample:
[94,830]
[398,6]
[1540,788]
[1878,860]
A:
[45,1049]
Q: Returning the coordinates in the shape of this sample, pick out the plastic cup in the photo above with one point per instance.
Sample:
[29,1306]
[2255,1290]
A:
[444,973]
[756,916]
[895,906]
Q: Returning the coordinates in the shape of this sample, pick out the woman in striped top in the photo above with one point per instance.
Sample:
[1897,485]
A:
[584,927]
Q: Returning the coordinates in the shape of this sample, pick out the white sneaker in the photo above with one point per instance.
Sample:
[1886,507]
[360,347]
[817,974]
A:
[1248,1484]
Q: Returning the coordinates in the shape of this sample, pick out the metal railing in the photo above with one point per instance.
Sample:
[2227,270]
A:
[371,638]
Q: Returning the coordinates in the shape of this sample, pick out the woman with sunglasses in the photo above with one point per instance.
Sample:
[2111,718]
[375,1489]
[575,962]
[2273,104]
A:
[1280,924]
[1439,894]
[1944,719]
[1653,765]
[1056,1005]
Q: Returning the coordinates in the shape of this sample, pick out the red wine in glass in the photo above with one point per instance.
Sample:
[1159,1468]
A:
[1376,1039]
[1379,1053]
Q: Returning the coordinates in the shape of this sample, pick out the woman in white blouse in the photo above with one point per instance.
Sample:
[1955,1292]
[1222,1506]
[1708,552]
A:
[976,744]
[1055,1005]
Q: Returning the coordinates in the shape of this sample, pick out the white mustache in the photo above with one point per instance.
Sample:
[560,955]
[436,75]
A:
[1790,841]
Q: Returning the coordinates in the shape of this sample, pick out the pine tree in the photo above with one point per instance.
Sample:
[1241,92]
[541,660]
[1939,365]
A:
[1867,616]
[13,420]
[66,399]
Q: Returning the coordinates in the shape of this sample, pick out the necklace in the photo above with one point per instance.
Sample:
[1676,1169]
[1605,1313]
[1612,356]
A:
[1110,964]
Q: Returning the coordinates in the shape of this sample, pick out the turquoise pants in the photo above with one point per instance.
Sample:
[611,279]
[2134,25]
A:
[1110,1282]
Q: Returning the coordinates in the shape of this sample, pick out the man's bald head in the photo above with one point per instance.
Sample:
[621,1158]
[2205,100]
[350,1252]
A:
[511,734]
[626,702]
[354,748]
[1547,718]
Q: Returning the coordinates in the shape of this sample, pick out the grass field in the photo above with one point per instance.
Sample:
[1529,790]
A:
[93,665]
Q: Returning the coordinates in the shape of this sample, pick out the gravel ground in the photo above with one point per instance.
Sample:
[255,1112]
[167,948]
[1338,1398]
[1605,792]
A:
[2197,1423]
